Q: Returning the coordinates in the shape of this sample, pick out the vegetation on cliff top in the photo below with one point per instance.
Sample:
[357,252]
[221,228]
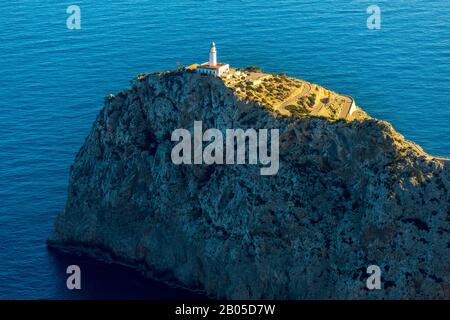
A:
[283,95]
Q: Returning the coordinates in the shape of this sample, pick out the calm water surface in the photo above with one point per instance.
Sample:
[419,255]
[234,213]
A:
[52,84]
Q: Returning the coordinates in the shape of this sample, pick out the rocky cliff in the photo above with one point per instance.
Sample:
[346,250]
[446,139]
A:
[348,194]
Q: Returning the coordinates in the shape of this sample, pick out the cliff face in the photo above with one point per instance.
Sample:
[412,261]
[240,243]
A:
[347,195]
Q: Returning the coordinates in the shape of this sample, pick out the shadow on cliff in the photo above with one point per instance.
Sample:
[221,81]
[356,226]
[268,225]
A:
[110,281]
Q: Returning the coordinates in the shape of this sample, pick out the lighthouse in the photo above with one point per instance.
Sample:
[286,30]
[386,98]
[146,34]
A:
[212,66]
[213,55]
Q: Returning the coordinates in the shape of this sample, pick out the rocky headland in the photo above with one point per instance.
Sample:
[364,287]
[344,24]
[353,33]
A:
[350,192]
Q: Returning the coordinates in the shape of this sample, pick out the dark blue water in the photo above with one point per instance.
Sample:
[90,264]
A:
[53,80]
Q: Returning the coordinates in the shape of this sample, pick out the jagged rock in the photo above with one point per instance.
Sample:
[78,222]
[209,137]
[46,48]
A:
[348,194]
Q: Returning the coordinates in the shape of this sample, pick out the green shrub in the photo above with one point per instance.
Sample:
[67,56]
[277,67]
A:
[297,111]
[253,69]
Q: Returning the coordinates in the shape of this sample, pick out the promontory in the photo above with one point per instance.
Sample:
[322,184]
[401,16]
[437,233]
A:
[350,193]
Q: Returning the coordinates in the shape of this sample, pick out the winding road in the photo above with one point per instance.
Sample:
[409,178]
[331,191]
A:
[292,99]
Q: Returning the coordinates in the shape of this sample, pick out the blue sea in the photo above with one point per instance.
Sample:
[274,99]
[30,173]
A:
[53,81]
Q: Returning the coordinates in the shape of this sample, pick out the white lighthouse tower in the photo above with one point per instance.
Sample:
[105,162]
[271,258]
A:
[213,55]
[212,66]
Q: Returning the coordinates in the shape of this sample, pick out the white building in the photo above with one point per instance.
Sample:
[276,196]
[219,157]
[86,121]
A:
[212,67]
